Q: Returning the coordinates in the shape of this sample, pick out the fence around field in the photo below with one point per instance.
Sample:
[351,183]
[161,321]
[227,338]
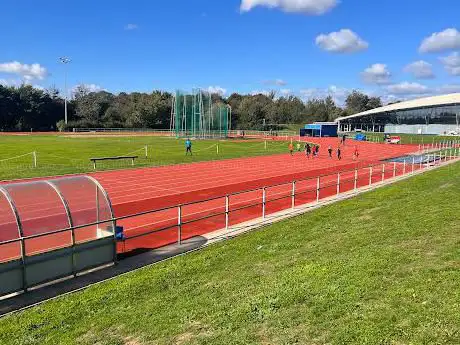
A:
[159,227]
[173,133]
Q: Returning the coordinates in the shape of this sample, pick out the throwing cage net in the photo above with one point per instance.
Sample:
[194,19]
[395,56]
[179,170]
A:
[195,115]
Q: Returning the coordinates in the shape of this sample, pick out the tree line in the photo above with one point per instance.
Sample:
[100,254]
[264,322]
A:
[26,108]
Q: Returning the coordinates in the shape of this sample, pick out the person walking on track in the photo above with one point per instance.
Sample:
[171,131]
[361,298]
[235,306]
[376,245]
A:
[339,153]
[291,149]
[298,147]
[307,150]
[188,147]
[329,150]
[356,153]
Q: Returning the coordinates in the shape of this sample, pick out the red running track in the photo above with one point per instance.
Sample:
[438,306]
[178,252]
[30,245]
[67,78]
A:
[138,190]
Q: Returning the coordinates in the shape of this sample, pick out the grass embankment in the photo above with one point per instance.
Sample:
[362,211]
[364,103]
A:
[382,268]
[60,154]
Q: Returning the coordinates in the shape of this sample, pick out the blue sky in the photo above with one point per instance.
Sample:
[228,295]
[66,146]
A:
[303,47]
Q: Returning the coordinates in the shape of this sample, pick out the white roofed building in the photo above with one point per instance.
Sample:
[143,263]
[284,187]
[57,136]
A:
[429,115]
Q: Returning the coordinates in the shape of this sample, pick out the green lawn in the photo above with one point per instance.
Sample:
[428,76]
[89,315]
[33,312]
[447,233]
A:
[382,268]
[60,154]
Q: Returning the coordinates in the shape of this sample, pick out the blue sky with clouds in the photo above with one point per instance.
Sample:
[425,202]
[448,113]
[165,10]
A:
[394,48]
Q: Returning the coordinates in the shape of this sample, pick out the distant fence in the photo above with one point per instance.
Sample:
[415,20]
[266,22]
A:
[160,227]
[211,134]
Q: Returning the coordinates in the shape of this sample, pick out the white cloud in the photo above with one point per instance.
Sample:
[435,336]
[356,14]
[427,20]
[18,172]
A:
[343,41]
[309,7]
[217,89]
[420,69]
[452,63]
[440,41]
[338,94]
[376,74]
[17,83]
[406,88]
[285,92]
[277,82]
[449,88]
[28,72]
[130,27]
[260,92]
[88,87]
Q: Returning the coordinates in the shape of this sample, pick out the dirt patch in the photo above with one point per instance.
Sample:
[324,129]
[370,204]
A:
[197,330]
[365,217]
[131,341]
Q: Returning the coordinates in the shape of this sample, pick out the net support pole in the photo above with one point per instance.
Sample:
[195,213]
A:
[34,155]
[394,169]
[413,164]
[293,195]
[356,180]
[265,144]
[227,207]
[338,183]
[264,200]
[370,176]
[317,189]
[404,167]
[421,160]
[146,151]
[217,148]
[179,224]
[383,172]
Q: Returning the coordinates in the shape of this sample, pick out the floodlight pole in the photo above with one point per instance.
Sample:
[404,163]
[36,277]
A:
[65,60]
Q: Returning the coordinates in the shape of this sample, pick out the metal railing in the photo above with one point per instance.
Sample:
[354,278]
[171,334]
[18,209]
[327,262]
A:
[330,185]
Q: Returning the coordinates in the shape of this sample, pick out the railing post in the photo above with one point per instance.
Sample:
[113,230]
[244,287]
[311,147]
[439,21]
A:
[264,200]
[227,207]
[338,183]
[404,168]
[179,224]
[383,172]
[394,169]
[35,159]
[356,179]
[293,195]
[370,176]
[317,189]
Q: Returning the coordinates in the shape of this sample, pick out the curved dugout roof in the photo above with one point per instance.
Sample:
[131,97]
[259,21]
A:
[37,210]
[444,100]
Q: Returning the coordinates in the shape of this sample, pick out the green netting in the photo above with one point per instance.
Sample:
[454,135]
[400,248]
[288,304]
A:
[195,115]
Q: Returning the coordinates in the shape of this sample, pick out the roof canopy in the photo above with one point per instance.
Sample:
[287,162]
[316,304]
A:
[37,210]
[444,100]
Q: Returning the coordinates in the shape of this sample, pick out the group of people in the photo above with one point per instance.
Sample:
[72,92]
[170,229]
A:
[313,150]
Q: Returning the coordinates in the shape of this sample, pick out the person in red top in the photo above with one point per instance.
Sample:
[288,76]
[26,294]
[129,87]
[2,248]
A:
[291,148]
[356,153]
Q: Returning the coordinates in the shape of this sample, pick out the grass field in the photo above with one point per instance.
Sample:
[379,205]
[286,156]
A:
[59,154]
[382,268]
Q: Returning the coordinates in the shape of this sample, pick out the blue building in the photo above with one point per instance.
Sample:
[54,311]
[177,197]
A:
[320,129]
